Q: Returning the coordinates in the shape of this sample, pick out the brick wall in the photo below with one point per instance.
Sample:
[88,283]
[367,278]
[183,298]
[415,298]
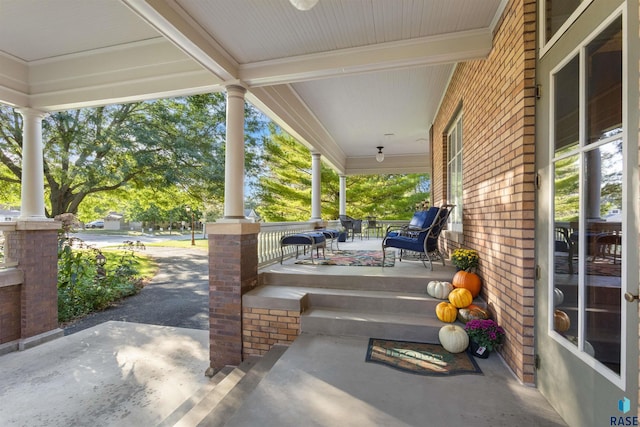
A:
[263,328]
[9,313]
[497,97]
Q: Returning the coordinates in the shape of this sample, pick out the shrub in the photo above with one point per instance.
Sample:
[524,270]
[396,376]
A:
[84,287]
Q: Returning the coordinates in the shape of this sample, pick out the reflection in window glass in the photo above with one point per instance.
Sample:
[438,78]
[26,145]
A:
[556,13]
[588,167]
[604,89]
[566,107]
[566,215]
[603,183]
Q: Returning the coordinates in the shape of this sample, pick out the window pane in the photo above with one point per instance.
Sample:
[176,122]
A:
[604,89]
[556,13]
[603,189]
[566,121]
[454,174]
[566,217]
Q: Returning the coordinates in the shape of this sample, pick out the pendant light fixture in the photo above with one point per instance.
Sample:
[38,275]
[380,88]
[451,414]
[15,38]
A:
[303,4]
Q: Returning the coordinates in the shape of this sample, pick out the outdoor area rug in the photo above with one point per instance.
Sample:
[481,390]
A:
[420,358]
[353,259]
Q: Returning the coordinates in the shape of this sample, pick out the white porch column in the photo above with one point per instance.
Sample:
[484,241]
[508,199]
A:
[316,177]
[343,195]
[234,157]
[32,190]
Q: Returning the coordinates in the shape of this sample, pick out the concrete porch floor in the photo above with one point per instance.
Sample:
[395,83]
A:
[132,374]
[128,374]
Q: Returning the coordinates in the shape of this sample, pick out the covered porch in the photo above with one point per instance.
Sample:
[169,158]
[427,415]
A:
[123,374]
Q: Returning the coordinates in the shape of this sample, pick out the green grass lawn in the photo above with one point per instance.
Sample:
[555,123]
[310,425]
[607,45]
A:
[200,244]
[146,266]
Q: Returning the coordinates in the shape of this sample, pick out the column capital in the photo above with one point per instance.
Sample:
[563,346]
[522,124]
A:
[236,88]
[32,112]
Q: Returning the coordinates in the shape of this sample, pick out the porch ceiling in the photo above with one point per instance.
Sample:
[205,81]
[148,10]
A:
[338,77]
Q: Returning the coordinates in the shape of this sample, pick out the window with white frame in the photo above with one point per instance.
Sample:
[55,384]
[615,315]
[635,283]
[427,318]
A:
[556,16]
[454,173]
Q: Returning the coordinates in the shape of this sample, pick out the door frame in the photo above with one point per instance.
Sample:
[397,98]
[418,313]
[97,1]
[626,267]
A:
[579,387]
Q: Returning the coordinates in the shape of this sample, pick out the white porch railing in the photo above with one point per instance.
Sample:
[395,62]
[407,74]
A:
[5,261]
[269,251]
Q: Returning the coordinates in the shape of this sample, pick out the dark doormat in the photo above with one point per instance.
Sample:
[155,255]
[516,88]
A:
[420,358]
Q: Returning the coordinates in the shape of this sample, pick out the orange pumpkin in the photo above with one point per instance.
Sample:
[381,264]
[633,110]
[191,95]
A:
[468,281]
[446,312]
[561,321]
[460,297]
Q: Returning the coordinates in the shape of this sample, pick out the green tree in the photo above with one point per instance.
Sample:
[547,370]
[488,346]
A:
[156,144]
[284,190]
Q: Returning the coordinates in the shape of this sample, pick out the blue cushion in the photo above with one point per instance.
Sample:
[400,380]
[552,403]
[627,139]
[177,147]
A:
[331,234]
[423,219]
[411,244]
[430,216]
[418,219]
[303,239]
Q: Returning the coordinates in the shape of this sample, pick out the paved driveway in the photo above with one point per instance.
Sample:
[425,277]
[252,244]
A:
[177,296]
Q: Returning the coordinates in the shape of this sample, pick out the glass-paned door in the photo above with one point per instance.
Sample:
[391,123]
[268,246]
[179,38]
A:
[586,333]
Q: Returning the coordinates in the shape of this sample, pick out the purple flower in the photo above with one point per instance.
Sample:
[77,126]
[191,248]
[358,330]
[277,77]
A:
[486,333]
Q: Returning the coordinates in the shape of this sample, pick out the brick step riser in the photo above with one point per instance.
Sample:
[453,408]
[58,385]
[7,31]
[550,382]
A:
[349,327]
[416,285]
[423,306]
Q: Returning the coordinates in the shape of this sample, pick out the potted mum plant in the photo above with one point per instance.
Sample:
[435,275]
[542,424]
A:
[484,336]
[465,259]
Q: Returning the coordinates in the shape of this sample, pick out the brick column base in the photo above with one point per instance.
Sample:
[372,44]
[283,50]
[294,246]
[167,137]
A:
[233,270]
[35,245]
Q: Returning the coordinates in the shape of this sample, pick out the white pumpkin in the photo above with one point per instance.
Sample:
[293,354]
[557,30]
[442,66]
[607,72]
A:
[453,338]
[438,289]
[558,297]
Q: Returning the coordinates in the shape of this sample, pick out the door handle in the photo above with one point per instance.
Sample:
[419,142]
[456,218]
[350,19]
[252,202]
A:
[631,297]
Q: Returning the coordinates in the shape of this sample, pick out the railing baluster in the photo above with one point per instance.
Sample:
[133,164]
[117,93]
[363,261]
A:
[5,261]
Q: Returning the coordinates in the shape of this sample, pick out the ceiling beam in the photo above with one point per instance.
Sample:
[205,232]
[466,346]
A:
[435,50]
[186,34]
[283,105]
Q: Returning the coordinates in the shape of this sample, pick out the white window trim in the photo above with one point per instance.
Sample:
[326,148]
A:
[455,227]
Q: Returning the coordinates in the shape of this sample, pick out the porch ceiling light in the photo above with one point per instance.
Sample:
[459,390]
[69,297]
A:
[303,4]
[380,154]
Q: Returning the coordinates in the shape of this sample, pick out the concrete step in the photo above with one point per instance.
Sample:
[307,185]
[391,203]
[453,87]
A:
[346,322]
[223,401]
[364,281]
[200,410]
[374,301]
[197,397]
